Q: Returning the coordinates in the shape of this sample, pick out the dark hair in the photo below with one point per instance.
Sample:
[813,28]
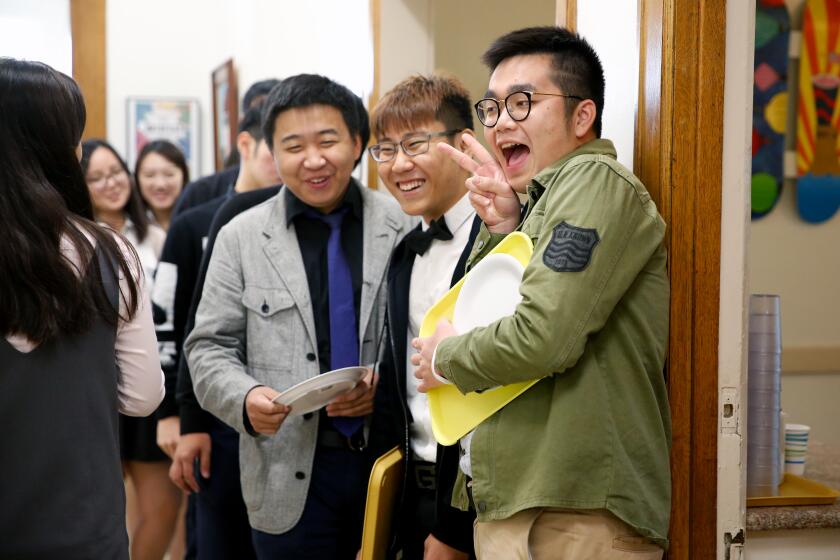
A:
[256,91]
[304,90]
[168,151]
[45,202]
[420,99]
[577,68]
[252,122]
[134,208]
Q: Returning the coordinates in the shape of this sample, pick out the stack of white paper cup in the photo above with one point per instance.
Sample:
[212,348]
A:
[764,379]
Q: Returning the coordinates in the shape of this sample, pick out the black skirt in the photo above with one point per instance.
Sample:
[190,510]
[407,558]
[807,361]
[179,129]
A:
[138,439]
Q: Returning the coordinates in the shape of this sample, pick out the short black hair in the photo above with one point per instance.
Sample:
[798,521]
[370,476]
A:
[304,90]
[252,122]
[577,68]
[256,91]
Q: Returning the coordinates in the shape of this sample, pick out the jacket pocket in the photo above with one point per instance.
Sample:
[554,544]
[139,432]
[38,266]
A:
[266,302]
[273,326]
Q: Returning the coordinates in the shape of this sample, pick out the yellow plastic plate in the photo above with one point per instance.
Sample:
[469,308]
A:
[797,491]
[453,414]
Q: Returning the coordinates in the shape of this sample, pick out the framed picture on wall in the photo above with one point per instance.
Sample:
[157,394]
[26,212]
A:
[159,118]
[225,113]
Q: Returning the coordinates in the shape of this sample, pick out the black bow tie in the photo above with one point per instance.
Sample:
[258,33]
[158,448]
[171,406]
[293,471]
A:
[419,241]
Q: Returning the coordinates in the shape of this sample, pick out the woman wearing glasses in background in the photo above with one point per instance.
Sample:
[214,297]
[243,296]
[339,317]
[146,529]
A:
[153,506]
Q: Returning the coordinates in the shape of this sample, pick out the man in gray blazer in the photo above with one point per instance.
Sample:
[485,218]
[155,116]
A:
[296,287]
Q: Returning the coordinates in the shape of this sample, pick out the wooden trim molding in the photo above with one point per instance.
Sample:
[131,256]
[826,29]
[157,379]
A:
[376,24]
[816,359]
[566,14]
[678,156]
[87,25]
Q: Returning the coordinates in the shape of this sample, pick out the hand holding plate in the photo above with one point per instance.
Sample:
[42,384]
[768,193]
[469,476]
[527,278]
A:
[425,352]
[358,401]
[266,416]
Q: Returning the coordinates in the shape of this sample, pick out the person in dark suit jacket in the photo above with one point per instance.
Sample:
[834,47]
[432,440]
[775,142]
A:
[408,123]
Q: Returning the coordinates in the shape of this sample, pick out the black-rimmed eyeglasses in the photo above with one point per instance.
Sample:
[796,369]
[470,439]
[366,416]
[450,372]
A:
[518,105]
[412,145]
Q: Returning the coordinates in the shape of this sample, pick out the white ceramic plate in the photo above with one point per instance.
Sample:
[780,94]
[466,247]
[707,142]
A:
[317,392]
[490,292]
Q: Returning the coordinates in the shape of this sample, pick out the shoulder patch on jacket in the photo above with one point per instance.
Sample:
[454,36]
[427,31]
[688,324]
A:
[570,248]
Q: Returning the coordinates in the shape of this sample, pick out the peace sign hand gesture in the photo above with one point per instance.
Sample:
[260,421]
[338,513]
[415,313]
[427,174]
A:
[491,195]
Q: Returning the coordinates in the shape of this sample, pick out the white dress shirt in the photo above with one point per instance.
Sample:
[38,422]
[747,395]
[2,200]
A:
[431,277]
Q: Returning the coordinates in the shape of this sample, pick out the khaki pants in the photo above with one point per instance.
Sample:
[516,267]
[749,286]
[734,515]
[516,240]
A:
[549,534]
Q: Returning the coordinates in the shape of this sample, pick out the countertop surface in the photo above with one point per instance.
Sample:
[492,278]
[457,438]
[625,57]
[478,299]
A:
[823,465]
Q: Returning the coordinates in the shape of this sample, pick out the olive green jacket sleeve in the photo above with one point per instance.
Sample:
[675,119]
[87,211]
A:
[559,311]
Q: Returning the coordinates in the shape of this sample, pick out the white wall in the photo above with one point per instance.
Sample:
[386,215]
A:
[37,31]
[801,262]
[169,49]
[615,39]
[460,53]
[812,399]
[406,45]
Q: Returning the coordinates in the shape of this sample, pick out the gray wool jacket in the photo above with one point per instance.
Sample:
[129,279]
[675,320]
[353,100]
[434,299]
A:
[255,326]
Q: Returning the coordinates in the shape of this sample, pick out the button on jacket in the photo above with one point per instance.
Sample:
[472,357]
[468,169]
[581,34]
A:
[595,432]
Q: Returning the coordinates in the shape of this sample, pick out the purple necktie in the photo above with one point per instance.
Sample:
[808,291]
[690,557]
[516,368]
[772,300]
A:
[344,342]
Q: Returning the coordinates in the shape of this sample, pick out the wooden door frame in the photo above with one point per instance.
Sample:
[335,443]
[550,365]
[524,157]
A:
[87,28]
[678,156]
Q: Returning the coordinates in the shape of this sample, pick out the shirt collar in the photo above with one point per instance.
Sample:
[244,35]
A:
[599,146]
[352,199]
[456,216]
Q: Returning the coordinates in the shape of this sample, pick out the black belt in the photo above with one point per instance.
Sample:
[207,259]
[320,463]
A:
[336,440]
[425,475]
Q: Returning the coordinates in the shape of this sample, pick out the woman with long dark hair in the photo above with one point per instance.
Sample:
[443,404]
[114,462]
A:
[154,503]
[161,173]
[77,342]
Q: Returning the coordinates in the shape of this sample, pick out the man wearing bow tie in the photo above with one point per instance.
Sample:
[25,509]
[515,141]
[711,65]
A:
[408,122]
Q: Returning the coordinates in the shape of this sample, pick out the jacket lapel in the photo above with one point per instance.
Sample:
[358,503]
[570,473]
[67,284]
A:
[380,231]
[399,283]
[462,260]
[283,252]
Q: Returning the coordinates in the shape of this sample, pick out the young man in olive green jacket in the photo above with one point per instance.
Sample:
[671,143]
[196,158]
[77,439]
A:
[578,465]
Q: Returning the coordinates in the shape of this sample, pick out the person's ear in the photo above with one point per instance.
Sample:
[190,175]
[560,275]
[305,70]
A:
[584,117]
[357,147]
[245,145]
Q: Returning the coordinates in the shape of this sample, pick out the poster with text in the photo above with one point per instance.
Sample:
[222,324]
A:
[175,120]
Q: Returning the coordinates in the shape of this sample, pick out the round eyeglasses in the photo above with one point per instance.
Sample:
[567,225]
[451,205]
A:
[518,105]
[412,145]
[101,181]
